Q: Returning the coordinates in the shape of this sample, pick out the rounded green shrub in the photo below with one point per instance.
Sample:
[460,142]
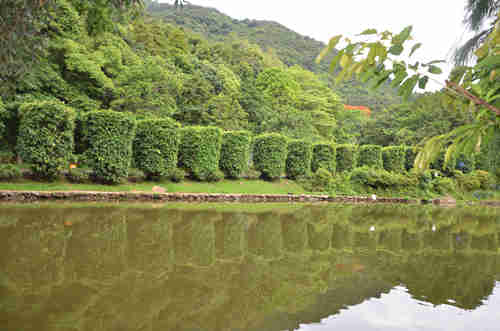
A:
[444,185]
[78,175]
[199,151]
[155,146]
[370,156]
[235,153]
[324,156]
[346,158]
[298,161]
[45,137]
[109,136]
[321,180]
[269,155]
[177,175]
[9,172]
[215,176]
[394,158]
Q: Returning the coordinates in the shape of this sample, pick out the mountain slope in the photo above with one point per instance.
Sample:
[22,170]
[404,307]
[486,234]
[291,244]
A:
[291,47]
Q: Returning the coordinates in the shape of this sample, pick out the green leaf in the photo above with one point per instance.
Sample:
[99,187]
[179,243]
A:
[368,32]
[414,48]
[396,49]
[407,88]
[403,36]
[435,62]
[331,45]
[422,82]
[435,70]
[335,61]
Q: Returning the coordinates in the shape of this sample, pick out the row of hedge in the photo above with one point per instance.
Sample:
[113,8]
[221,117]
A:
[110,141]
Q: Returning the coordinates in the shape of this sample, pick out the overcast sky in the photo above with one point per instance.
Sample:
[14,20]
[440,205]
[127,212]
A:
[436,23]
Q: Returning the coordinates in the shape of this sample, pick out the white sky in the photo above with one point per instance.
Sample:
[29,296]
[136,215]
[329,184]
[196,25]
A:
[436,23]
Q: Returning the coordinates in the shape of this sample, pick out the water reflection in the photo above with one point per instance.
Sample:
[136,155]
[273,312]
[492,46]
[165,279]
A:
[140,268]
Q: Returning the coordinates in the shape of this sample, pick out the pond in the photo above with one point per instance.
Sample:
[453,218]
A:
[248,267]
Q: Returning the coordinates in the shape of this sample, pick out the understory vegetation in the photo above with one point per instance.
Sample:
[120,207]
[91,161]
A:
[153,101]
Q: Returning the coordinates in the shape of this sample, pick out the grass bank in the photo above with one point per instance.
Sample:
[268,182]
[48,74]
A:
[248,186]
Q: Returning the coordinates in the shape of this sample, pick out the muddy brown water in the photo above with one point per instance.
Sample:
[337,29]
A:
[199,267]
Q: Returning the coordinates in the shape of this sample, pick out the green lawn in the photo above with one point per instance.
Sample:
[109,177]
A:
[253,186]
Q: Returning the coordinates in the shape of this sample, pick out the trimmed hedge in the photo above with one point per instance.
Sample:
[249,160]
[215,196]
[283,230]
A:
[298,161]
[156,146]
[109,136]
[199,151]
[235,153]
[324,156]
[370,156]
[269,155]
[45,137]
[394,158]
[346,158]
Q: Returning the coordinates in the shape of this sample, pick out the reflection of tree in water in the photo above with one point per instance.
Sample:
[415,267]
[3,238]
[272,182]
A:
[156,269]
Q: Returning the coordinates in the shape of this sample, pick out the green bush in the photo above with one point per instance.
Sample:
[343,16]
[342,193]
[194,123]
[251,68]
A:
[321,180]
[9,172]
[215,176]
[394,158]
[370,156]
[298,161]
[324,156]
[346,158]
[199,152]
[78,175]
[109,136]
[269,155]
[3,119]
[410,156]
[465,163]
[46,137]
[235,153]
[177,175]
[444,185]
[373,178]
[155,146]
[484,178]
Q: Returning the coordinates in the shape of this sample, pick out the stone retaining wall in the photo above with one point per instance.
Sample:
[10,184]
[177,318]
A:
[28,196]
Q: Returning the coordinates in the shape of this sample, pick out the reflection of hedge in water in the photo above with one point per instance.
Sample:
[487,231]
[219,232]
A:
[294,231]
[96,247]
[319,230]
[248,291]
[150,240]
[230,236]
[194,238]
[264,236]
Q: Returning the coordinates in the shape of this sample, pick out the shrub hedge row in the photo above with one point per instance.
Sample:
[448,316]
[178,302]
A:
[156,145]
[269,154]
[199,151]
[235,153]
[346,158]
[324,156]
[370,156]
[298,161]
[109,136]
[45,137]
[394,158]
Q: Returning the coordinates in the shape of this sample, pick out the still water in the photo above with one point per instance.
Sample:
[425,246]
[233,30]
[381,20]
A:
[251,267]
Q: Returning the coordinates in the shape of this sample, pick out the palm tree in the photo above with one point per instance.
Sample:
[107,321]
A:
[477,14]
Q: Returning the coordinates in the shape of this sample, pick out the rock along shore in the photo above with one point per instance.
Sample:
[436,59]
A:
[32,196]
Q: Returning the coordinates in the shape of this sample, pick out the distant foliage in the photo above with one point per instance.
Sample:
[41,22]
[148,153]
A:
[324,156]
[346,157]
[371,156]
[298,161]
[394,158]
[199,152]
[46,137]
[156,146]
[269,155]
[235,153]
[109,136]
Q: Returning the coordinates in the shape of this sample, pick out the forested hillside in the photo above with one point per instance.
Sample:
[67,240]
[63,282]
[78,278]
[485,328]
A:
[275,39]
